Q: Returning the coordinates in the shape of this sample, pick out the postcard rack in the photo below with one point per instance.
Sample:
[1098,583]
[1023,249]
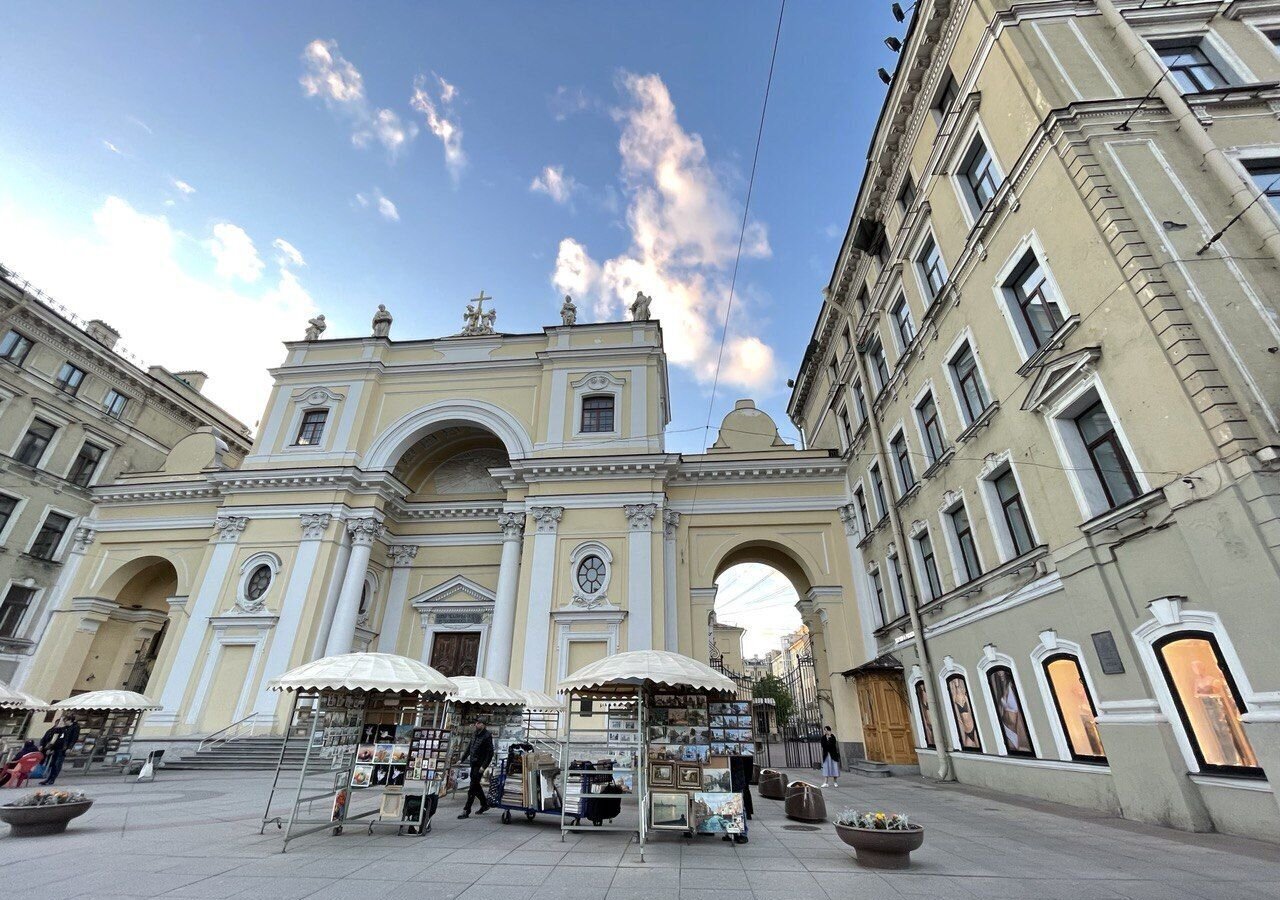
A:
[600,761]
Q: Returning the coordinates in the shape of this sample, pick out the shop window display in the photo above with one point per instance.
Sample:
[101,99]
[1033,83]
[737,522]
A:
[1075,708]
[962,709]
[1009,711]
[922,704]
[1208,702]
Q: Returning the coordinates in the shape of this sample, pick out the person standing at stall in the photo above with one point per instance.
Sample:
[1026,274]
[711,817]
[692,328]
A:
[479,754]
[830,757]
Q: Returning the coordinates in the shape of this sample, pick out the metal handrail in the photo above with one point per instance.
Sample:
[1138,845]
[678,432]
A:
[223,735]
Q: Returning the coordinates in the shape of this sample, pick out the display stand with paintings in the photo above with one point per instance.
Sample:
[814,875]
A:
[381,723]
[16,709]
[502,709]
[691,736]
[656,713]
[600,760]
[108,721]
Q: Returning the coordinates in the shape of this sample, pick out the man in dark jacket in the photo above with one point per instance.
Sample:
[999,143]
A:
[54,747]
[479,754]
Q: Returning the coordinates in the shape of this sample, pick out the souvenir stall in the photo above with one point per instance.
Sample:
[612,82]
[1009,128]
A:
[108,721]
[482,698]
[543,717]
[377,745]
[642,716]
[16,708]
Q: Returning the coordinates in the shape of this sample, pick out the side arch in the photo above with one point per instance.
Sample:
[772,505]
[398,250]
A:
[389,446]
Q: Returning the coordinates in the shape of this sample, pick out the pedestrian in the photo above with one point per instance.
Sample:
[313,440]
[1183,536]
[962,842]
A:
[54,747]
[830,757]
[479,754]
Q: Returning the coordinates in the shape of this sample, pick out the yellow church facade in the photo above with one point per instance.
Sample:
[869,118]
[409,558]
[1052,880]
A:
[493,504]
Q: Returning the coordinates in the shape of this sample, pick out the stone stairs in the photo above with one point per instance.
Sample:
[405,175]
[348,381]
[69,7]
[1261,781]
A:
[249,753]
[869,769]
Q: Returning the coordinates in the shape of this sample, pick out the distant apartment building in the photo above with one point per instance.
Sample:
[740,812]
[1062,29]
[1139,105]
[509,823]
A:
[74,414]
[1049,352]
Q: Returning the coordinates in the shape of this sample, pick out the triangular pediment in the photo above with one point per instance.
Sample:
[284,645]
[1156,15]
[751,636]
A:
[1060,375]
[458,588]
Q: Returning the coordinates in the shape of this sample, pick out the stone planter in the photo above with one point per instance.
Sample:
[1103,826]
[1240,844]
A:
[772,785]
[878,848]
[29,821]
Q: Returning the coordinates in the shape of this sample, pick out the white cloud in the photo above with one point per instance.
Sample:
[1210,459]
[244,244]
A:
[113,148]
[182,186]
[234,254]
[335,80]
[566,101]
[289,254]
[139,273]
[555,184]
[684,236]
[378,201]
[441,120]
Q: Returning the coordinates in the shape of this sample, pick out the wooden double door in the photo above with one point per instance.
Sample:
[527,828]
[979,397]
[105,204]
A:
[455,652]
[886,718]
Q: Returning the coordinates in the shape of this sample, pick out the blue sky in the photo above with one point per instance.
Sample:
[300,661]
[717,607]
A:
[207,177]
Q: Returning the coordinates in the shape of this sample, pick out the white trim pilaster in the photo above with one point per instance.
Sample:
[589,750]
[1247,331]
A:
[541,577]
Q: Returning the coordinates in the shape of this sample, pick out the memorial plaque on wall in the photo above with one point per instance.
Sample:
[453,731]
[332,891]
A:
[1108,654]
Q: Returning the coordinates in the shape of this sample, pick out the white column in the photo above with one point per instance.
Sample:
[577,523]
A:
[640,595]
[497,664]
[292,605]
[867,615]
[81,539]
[402,556]
[363,531]
[340,561]
[670,627]
[229,529]
[538,630]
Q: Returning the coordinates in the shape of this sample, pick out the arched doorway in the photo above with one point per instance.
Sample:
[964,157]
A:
[131,633]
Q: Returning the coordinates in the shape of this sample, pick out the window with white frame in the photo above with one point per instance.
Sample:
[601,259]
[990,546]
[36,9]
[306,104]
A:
[1011,715]
[49,537]
[964,715]
[877,587]
[1037,309]
[970,388]
[17,600]
[900,452]
[946,97]
[1193,65]
[979,176]
[35,442]
[859,401]
[597,414]
[1266,179]
[933,269]
[935,443]
[930,580]
[860,498]
[877,492]
[311,428]
[846,340]
[114,404]
[69,379]
[85,465]
[922,710]
[907,193]
[879,366]
[968,564]
[846,427]
[590,565]
[899,588]
[903,328]
[7,507]
[1077,715]
[1106,454]
[1013,525]
[14,347]
[833,370]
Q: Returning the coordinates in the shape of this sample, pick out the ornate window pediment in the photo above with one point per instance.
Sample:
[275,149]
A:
[1060,376]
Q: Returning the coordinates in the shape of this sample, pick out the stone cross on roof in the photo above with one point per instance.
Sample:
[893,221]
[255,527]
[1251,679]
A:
[477,320]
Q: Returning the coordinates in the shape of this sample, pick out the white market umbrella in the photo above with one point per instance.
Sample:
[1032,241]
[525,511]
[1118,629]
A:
[639,667]
[484,692]
[540,702]
[12,698]
[364,672]
[106,701]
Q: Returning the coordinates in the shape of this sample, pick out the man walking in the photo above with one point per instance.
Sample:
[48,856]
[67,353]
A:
[54,746]
[479,754]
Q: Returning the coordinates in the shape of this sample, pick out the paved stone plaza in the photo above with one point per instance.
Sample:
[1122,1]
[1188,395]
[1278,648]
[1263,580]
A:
[195,835]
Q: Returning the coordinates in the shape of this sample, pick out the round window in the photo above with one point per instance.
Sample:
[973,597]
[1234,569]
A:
[591,575]
[258,583]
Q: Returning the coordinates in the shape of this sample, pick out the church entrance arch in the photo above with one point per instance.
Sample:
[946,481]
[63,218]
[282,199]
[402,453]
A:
[132,611]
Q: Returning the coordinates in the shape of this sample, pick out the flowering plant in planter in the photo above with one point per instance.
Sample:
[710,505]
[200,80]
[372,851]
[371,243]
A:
[880,821]
[49,798]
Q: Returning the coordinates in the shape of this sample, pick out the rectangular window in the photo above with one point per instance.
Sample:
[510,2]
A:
[1110,462]
[931,427]
[845,427]
[70,378]
[115,403]
[1038,306]
[879,367]
[946,96]
[597,414]
[86,464]
[903,327]
[1189,68]
[877,585]
[898,586]
[877,493]
[973,393]
[929,565]
[907,193]
[932,268]
[860,401]
[50,536]
[14,609]
[861,498]
[901,454]
[981,180]
[14,347]
[34,443]
[833,370]
[7,506]
[312,428]
[846,341]
[963,532]
[1017,526]
[1266,179]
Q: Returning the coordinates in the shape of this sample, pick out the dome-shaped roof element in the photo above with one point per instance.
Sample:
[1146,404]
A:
[651,667]
[364,672]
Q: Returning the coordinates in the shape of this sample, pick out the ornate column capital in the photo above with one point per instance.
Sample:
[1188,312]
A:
[640,516]
[547,517]
[512,525]
[402,555]
[314,525]
[81,538]
[230,528]
[849,516]
[670,522]
[365,530]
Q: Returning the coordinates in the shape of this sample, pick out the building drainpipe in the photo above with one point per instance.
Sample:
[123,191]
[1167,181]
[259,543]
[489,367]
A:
[1215,161]
[946,772]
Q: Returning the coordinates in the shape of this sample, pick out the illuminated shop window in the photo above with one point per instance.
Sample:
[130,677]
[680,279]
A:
[1075,708]
[962,709]
[1010,712]
[922,704]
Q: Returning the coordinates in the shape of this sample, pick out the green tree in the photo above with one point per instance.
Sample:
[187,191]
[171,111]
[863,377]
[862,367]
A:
[771,686]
